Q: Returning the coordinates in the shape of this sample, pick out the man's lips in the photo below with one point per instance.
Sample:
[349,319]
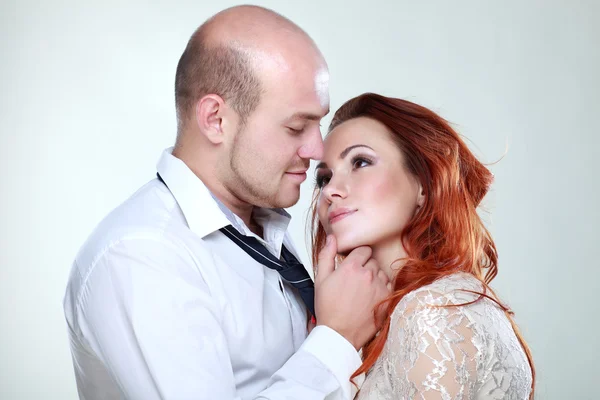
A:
[300,176]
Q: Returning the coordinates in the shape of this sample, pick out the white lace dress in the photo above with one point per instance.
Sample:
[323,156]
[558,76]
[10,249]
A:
[456,353]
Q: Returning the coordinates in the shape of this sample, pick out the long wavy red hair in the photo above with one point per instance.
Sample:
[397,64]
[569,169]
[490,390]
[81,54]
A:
[446,235]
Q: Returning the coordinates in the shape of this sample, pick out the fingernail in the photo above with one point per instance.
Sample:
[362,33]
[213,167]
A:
[328,240]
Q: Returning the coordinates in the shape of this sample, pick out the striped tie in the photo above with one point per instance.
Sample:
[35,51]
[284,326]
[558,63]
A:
[290,269]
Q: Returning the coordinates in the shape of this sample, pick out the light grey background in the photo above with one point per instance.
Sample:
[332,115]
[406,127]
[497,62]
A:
[86,107]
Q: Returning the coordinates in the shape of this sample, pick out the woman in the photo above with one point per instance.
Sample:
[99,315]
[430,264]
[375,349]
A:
[396,177]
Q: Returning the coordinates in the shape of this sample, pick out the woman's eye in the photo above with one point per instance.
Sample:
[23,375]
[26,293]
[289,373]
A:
[322,180]
[360,162]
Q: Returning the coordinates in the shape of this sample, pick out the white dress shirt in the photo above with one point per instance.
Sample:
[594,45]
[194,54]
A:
[161,305]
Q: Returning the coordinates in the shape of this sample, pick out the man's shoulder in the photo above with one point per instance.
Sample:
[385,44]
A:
[150,226]
[151,212]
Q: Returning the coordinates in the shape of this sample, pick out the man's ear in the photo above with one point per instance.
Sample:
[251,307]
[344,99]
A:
[209,117]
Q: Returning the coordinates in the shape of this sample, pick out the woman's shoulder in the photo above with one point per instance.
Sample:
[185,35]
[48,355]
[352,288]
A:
[454,289]
[446,327]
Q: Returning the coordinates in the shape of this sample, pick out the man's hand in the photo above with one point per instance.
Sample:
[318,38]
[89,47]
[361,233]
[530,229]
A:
[345,297]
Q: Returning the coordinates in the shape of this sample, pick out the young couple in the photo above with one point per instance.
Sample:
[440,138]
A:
[192,289]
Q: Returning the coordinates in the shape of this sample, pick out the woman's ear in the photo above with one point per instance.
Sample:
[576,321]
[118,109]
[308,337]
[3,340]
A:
[420,196]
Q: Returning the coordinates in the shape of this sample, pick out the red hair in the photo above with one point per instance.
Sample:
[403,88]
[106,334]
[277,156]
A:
[446,235]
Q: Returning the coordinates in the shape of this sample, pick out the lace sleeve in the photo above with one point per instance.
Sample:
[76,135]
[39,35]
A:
[432,355]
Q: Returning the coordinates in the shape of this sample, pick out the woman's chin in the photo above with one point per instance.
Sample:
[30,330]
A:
[346,245]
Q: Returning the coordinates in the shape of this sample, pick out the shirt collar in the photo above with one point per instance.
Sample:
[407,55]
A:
[206,214]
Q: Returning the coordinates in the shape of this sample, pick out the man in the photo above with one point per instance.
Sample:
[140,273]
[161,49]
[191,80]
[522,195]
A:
[181,292]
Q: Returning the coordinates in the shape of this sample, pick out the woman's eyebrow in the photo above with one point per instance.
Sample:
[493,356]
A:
[345,152]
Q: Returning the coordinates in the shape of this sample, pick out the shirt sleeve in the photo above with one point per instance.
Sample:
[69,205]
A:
[150,318]
[334,353]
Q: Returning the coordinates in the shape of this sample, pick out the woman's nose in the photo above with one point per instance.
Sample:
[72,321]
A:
[336,188]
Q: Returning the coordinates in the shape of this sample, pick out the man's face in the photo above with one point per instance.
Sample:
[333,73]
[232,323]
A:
[271,152]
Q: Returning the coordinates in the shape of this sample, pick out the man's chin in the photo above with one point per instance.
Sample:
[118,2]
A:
[287,198]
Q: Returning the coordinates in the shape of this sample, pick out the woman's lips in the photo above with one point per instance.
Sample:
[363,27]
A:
[338,215]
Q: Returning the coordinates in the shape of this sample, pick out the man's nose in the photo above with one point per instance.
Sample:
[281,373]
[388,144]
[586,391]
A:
[313,147]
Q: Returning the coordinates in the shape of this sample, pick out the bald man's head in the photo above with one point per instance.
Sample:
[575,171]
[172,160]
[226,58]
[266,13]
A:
[226,54]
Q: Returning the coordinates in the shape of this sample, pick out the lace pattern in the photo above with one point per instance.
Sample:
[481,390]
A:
[449,353]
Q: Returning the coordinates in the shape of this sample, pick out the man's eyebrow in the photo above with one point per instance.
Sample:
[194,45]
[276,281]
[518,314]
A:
[307,116]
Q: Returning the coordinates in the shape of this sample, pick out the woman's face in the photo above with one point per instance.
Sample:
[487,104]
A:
[367,195]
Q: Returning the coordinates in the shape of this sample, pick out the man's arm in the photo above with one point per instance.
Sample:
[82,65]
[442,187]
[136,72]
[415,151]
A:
[146,312]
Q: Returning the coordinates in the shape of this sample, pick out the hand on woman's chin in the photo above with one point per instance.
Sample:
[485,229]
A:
[344,247]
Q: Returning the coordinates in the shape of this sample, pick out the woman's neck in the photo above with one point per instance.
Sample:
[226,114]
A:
[390,256]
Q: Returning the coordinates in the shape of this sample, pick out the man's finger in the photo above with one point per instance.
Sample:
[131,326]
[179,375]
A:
[373,266]
[383,277]
[358,256]
[326,259]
